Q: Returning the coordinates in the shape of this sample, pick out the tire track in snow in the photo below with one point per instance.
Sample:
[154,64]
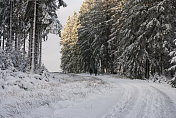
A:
[152,103]
[140,100]
[167,108]
[125,104]
[134,99]
[140,106]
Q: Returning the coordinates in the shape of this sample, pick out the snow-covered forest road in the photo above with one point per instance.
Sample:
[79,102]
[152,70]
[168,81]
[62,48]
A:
[127,99]
[85,96]
[138,99]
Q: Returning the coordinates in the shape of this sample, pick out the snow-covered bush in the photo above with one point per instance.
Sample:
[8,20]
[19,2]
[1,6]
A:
[19,80]
[5,61]
[19,61]
[172,82]
[158,78]
[15,61]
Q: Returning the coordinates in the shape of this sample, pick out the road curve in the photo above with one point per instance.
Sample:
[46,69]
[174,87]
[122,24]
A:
[141,99]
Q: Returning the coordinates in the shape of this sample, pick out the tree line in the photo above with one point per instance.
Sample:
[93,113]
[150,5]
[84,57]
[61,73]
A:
[24,24]
[132,37]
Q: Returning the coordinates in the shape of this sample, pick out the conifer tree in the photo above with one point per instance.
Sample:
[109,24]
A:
[71,58]
[128,36]
[145,36]
[17,25]
[85,37]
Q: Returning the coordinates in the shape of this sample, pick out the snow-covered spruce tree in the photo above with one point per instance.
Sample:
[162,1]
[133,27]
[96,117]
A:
[6,8]
[71,58]
[114,41]
[16,26]
[46,22]
[87,35]
[99,29]
[76,58]
[147,30]
[94,35]
[65,47]
[109,10]
[130,21]
[12,32]
[7,31]
[84,36]
[173,60]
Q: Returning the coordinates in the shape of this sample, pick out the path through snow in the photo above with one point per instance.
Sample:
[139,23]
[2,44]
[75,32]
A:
[127,99]
[85,96]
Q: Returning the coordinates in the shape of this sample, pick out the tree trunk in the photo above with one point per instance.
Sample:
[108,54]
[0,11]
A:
[161,64]
[0,42]
[11,13]
[147,69]
[16,42]
[40,53]
[36,53]
[9,41]
[3,43]
[30,46]
[34,27]
[24,44]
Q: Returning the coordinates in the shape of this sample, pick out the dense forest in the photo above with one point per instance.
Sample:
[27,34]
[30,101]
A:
[114,40]
[133,37]
[24,24]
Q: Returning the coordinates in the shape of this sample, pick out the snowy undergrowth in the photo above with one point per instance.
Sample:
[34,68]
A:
[21,93]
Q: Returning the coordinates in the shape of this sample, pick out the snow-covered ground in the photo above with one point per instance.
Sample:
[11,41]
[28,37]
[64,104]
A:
[83,96]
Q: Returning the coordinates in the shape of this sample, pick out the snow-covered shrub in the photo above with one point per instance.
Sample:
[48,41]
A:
[5,61]
[14,61]
[158,78]
[20,61]
[19,80]
[173,82]
[41,70]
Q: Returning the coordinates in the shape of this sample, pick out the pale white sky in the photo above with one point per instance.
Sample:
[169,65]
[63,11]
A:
[51,48]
